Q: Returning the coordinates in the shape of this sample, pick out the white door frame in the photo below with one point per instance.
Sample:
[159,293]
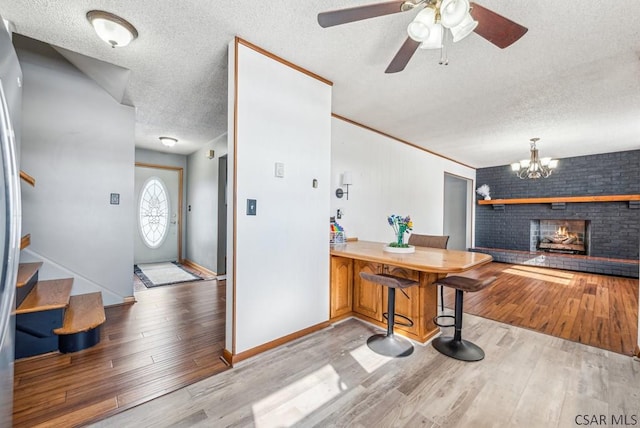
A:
[180,174]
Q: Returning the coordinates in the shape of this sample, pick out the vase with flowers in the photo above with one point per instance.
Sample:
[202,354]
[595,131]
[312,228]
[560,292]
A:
[400,225]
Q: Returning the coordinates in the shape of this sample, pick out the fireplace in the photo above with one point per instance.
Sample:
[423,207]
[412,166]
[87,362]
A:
[560,236]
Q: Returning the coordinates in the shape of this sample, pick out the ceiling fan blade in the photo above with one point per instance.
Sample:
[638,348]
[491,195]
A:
[497,29]
[400,61]
[343,16]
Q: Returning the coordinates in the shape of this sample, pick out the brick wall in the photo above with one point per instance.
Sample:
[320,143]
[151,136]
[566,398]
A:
[615,227]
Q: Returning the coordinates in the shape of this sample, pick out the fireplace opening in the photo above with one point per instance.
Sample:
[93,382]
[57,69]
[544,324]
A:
[560,236]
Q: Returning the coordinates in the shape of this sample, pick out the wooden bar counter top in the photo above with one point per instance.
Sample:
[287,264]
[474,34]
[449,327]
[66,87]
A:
[424,259]
[352,296]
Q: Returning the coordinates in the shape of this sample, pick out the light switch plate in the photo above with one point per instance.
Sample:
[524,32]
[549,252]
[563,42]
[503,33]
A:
[279,171]
[252,206]
[115,199]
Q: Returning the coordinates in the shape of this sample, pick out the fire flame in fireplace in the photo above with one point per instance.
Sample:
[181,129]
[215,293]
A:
[562,231]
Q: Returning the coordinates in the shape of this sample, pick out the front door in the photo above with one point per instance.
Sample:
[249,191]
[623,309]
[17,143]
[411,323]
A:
[158,207]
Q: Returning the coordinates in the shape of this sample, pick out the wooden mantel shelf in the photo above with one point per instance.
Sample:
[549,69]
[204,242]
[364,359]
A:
[560,199]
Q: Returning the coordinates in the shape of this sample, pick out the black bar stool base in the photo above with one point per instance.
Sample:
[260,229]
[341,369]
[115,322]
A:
[436,320]
[459,349]
[390,346]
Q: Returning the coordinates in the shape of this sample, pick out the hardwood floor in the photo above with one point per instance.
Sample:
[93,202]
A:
[171,337]
[331,379]
[597,310]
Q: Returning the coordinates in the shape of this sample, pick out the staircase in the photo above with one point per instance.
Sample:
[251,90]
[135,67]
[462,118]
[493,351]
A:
[48,318]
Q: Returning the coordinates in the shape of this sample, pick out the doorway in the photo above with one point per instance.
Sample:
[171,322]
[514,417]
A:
[457,211]
[158,211]
[221,264]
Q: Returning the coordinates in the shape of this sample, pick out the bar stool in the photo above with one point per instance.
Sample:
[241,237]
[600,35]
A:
[455,346]
[432,241]
[389,344]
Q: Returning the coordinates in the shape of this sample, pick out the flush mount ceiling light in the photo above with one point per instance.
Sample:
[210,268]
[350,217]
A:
[114,30]
[535,167]
[168,141]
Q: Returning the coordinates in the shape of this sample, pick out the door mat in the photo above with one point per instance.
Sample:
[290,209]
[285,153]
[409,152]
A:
[157,274]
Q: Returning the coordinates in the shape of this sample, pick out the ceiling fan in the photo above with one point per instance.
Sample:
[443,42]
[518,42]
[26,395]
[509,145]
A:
[460,17]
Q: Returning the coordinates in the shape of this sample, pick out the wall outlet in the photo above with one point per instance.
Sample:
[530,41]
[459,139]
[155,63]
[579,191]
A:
[115,199]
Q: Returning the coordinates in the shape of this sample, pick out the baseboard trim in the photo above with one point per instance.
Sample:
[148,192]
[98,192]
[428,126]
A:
[227,357]
[129,300]
[196,266]
[274,343]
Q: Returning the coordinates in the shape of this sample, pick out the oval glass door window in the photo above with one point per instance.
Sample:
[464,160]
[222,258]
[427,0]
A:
[153,212]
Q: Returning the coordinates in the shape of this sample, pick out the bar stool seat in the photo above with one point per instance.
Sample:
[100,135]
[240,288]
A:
[389,344]
[454,346]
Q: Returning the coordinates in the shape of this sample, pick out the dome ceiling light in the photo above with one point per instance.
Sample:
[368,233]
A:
[114,30]
[168,141]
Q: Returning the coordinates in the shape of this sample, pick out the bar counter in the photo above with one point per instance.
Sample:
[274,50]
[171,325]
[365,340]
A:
[353,296]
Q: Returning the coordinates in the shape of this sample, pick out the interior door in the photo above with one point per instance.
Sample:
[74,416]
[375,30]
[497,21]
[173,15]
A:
[158,206]
[457,212]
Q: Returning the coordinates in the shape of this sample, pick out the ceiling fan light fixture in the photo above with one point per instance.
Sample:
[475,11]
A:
[434,41]
[114,30]
[452,12]
[463,29]
[421,26]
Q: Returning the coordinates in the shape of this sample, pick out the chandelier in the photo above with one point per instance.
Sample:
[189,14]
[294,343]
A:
[535,167]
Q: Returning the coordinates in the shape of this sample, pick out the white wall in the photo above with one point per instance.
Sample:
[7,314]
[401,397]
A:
[78,143]
[281,254]
[202,196]
[389,177]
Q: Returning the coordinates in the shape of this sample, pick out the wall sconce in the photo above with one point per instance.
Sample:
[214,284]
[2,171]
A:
[210,154]
[347,180]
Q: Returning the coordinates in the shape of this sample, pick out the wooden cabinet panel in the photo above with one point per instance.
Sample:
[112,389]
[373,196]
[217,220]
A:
[407,306]
[341,286]
[367,296]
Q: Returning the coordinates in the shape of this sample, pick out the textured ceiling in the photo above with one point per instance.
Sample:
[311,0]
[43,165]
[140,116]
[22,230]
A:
[573,80]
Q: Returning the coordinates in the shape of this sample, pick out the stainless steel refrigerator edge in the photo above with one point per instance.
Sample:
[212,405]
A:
[10,214]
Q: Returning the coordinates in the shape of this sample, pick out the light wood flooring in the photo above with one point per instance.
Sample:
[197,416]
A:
[331,379]
[597,310]
[171,337]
